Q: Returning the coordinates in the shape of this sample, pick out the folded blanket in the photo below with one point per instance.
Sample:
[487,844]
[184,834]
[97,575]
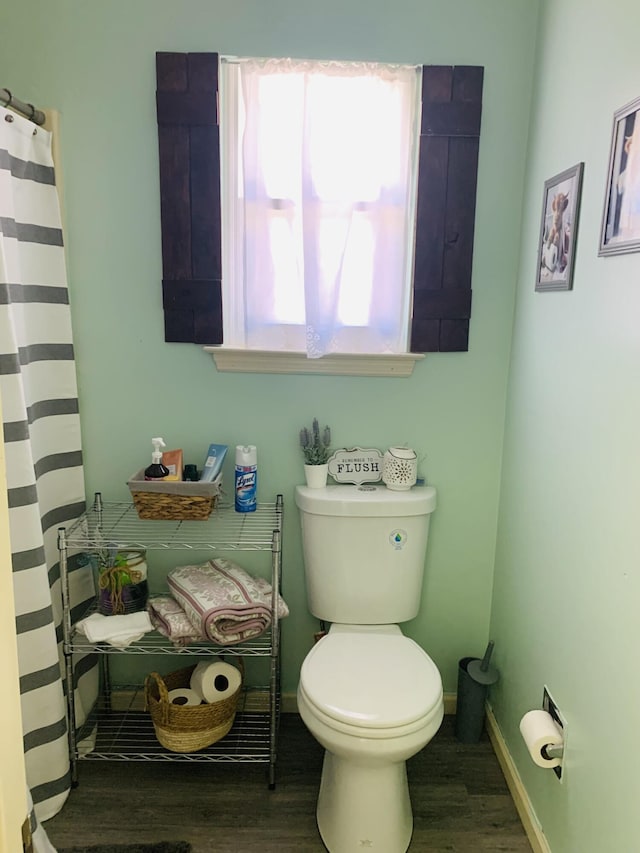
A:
[223,601]
[116,630]
[170,619]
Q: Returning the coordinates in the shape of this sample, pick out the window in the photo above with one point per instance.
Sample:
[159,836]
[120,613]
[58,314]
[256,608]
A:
[317,204]
[189,149]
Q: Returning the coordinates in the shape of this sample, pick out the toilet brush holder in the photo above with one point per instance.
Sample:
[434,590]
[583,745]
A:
[474,678]
[481,671]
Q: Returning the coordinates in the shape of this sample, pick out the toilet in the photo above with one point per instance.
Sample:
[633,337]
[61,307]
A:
[369,695]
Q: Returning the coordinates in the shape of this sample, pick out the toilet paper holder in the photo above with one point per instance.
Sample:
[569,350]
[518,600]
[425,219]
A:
[554,750]
[544,732]
[544,739]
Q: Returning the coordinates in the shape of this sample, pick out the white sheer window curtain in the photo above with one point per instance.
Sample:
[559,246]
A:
[318,184]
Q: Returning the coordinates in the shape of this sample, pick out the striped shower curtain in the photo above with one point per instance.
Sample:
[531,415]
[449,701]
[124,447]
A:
[41,428]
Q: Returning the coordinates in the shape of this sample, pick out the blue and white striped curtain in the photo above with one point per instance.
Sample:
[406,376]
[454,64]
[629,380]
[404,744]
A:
[41,427]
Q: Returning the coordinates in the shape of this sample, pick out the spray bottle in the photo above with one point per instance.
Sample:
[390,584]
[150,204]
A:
[246,477]
[156,471]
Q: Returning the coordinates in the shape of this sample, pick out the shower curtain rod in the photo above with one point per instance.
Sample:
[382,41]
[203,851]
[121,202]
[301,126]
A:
[28,110]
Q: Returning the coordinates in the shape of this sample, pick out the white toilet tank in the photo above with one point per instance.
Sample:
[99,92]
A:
[364,551]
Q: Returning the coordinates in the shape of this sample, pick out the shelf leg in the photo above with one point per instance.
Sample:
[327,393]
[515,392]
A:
[68,658]
[274,681]
[106,681]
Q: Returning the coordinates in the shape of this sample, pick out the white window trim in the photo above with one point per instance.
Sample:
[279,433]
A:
[230,360]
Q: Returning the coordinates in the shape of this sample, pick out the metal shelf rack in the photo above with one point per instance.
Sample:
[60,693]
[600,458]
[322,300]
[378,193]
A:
[124,732]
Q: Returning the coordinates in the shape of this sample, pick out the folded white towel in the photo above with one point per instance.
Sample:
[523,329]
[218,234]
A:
[116,630]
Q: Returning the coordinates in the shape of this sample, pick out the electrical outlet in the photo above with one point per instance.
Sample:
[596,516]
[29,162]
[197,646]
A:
[549,705]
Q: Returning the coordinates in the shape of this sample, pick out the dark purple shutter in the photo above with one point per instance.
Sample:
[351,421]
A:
[445,216]
[189,147]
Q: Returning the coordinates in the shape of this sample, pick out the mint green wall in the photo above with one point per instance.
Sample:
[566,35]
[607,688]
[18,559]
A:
[567,586]
[94,62]
[566,580]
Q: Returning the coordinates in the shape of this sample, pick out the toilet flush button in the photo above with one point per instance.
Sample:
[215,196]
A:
[398,539]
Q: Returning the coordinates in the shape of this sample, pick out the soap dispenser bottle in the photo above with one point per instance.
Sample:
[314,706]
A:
[156,471]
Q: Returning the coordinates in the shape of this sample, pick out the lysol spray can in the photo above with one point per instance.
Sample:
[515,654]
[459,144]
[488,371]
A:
[246,477]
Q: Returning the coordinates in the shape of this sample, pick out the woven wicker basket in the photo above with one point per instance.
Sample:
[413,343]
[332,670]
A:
[187,728]
[173,501]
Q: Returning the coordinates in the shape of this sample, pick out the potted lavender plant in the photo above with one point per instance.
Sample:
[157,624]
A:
[315,447]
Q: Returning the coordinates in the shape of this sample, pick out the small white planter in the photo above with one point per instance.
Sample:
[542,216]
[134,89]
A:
[316,476]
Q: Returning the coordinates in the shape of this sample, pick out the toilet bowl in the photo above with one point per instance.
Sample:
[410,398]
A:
[372,698]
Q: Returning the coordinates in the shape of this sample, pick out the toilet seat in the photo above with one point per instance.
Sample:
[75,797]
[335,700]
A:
[371,681]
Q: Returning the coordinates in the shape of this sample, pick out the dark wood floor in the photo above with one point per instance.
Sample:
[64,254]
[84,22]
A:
[460,801]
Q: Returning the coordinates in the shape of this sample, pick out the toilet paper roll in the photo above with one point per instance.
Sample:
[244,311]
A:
[539,729]
[184,696]
[215,681]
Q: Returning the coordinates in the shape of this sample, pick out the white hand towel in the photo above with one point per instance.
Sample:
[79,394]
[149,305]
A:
[116,630]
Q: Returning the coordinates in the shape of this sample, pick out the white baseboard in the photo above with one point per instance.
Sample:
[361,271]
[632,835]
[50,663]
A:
[518,792]
[289,703]
[450,702]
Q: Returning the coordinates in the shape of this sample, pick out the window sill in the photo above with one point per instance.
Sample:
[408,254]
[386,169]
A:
[261,361]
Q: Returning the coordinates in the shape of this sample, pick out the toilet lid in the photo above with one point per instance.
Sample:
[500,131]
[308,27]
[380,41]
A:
[379,681]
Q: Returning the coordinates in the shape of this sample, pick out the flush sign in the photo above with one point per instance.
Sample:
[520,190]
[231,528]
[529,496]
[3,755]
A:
[356,465]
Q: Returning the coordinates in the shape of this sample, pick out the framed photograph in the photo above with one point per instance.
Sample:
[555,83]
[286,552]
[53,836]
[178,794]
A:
[559,229]
[621,218]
